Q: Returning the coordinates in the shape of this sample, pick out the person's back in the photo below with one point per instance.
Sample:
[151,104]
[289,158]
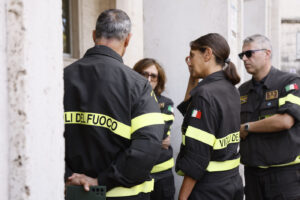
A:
[113,123]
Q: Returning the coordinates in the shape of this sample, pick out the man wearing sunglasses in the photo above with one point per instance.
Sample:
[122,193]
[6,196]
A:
[270,125]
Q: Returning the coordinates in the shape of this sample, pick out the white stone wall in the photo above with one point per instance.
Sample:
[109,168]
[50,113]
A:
[288,48]
[289,11]
[33,64]
[3,105]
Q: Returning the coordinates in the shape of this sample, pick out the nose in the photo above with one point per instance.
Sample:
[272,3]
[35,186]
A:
[244,58]
[149,78]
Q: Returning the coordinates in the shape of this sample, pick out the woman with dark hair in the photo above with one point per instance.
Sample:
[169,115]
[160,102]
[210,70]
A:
[164,187]
[208,157]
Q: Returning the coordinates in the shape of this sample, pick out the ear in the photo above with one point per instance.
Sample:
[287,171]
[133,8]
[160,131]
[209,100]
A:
[127,39]
[269,53]
[208,54]
[94,35]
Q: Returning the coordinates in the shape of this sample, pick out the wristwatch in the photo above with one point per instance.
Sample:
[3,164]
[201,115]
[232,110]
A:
[246,127]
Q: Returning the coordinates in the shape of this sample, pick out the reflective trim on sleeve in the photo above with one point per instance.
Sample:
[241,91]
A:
[180,173]
[169,132]
[296,161]
[183,139]
[200,135]
[145,187]
[290,98]
[216,166]
[163,166]
[146,120]
[95,119]
[168,117]
[222,143]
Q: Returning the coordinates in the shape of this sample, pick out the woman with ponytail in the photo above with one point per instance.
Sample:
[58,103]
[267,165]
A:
[208,157]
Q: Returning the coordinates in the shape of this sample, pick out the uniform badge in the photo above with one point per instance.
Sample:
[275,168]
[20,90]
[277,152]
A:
[197,114]
[272,95]
[290,87]
[244,99]
[162,105]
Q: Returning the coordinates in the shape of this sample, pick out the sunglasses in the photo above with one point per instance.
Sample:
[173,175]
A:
[249,53]
[147,75]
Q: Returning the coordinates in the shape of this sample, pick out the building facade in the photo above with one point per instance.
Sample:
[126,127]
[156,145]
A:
[34,48]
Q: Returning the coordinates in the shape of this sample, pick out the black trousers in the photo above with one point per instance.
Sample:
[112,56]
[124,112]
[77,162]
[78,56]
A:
[164,188]
[280,183]
[218,188]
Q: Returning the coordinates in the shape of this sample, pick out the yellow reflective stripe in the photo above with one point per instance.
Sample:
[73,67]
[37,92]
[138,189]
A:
[200,135]
[183,139]
[95,119]
[168,117]
[296,161]
[146,120]
[169,132]
[222,143]
[180,173]
[216,166]
[290,98]
[163,166]
[145,187]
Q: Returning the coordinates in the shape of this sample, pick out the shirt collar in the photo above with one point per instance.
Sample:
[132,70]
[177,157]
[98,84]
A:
[267,81]
[103,50]
[210,78]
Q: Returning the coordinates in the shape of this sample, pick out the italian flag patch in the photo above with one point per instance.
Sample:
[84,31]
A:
[170,108]
[293,86]
[196,114]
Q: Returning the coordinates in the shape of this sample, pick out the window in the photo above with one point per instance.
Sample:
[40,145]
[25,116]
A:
[66,26]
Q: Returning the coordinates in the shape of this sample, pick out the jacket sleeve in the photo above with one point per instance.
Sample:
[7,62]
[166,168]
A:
[168,116]
[290,101]
[133,166]
[196,149]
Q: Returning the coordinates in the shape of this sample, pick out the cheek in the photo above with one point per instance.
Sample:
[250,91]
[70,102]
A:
[153,85]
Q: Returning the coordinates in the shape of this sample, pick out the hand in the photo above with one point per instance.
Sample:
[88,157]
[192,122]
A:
[166,143]
[81,179]
[243,132]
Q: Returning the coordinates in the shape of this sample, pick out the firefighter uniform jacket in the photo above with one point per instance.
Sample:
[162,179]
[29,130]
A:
[210,129]
[113,125]
[279,94]
[165,161]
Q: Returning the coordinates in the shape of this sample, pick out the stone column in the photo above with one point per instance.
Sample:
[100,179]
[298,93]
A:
[34,103]
[135,50]
[3,105]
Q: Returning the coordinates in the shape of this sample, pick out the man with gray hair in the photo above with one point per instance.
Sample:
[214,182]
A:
[113,124]
[270,125]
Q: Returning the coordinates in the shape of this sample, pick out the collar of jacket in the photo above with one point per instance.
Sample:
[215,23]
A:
[103,50]
[267,83]
[210,78]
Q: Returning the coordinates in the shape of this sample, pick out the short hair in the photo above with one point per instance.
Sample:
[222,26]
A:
[261,40]
[141,65]
[113,23]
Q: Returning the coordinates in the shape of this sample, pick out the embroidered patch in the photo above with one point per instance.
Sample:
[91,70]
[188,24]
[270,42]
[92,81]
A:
[197,114]
[272,95]
[170,108]
[244,99]
[290,87]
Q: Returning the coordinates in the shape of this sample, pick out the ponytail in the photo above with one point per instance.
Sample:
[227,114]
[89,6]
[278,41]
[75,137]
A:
[231,73]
